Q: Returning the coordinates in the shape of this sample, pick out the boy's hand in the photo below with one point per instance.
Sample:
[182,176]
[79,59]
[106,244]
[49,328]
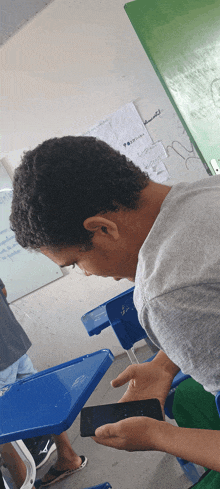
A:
[132,434]
[146,381]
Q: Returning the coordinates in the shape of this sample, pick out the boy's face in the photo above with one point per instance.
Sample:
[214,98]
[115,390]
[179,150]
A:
[101,261]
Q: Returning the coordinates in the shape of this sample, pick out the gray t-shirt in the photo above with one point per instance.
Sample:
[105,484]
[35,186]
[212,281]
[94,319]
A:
[14,342]
[177,284]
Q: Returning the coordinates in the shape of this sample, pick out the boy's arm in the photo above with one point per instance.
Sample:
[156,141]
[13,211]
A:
[142,434]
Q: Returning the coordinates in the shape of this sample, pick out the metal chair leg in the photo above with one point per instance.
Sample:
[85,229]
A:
[131,355]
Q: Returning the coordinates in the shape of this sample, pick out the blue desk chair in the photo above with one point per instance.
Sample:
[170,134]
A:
[217,401]
[97,319]
[121,315]
[48,402]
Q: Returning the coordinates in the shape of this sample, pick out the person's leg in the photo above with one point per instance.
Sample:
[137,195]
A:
[25,367]
[9,375]
[67,459]
[14,464]
[11,459]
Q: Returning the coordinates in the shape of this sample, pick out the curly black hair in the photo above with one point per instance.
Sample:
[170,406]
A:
[62,182]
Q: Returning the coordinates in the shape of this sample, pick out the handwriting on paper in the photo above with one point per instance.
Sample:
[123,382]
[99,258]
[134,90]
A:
[133,140]
[158,112]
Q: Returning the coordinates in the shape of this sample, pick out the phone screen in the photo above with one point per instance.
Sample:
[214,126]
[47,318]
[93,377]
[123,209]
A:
[95,416]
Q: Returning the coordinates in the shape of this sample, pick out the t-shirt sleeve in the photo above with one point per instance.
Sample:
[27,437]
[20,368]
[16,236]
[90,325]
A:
[186,325]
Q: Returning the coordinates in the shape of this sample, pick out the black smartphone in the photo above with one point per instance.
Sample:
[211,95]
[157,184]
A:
[94,416]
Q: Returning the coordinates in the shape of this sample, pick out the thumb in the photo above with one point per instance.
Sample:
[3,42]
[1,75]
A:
[123,378]
[106,431]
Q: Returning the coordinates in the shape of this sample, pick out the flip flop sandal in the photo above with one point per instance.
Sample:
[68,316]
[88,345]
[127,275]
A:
[59,474]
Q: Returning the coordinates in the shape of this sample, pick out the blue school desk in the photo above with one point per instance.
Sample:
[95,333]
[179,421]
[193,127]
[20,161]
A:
[182,41]
[49,401]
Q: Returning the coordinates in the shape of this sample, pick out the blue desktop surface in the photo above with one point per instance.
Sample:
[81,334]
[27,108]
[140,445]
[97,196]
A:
[49,401]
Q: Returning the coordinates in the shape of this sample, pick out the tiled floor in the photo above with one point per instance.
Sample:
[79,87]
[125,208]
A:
[123,470]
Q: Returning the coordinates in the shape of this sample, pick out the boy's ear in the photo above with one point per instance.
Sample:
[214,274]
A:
[100,225]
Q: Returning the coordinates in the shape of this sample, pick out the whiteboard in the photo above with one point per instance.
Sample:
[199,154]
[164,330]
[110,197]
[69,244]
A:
[21,271]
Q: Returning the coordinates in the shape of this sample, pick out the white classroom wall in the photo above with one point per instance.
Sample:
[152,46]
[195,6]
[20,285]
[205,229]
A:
[71,66]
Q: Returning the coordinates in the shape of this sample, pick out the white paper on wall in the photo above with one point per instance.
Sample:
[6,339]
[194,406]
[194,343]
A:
[125,131]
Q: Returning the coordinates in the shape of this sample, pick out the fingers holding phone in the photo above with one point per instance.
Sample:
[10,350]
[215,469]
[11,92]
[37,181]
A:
[132,434]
